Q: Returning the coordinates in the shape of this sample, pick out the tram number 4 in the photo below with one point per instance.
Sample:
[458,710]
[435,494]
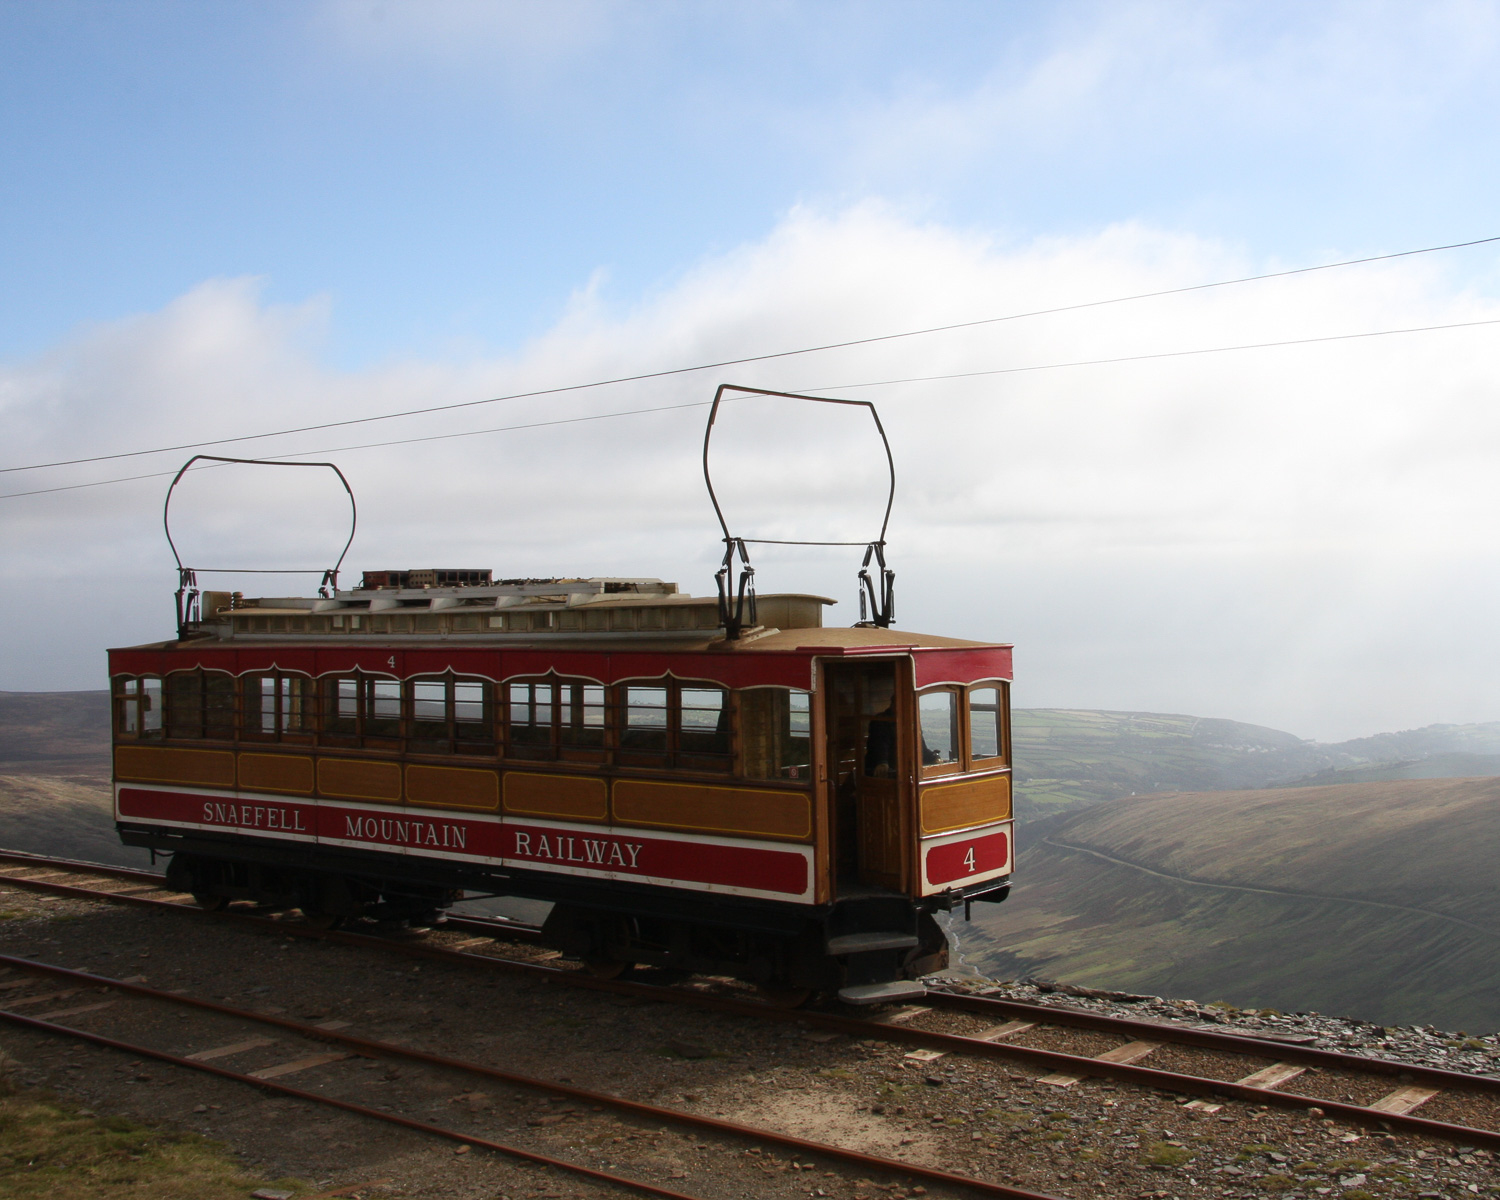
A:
[969,859]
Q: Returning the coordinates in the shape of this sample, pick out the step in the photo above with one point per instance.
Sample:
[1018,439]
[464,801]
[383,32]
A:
[859,943]
[898,991]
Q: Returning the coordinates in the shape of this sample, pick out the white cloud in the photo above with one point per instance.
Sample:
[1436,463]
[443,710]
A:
[1299,536]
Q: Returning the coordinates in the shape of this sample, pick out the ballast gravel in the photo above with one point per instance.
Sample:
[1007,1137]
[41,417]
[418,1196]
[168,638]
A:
[984,1117]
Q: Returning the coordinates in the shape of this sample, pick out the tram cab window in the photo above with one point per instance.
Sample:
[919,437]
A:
[937,713]
[776,731]
[986,725]
[138,708]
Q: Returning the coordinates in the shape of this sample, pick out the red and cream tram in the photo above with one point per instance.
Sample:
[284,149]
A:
[692,787]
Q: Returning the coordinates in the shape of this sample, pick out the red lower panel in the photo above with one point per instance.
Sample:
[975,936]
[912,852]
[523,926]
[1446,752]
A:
[435,834]
[261,815]
[750,867]
[978,855]
[442,834]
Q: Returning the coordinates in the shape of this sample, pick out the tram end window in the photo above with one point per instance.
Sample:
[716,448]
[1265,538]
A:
[986,724]
[151,708]
[937,724]
[776,733]
[138,708]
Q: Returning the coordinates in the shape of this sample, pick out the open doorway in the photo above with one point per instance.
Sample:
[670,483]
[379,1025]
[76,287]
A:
[864,753]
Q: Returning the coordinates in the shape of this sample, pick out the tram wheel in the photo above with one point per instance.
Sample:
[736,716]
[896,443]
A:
[208,902]
[606,968]
[321,920]
[777,996]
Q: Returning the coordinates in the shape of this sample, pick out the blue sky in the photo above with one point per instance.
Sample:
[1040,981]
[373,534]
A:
[240,216]
[449,174]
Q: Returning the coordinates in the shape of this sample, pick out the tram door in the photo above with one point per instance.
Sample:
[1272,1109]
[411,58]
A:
[864,762]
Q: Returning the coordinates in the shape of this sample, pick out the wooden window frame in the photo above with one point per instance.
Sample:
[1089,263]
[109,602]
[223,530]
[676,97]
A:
[1002,760]
[960,706]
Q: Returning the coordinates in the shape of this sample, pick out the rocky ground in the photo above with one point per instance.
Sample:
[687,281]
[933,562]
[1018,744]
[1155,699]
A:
[976,1116]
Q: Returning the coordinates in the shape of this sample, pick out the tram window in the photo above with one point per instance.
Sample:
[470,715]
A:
[184,715]
[382,708]
[938,722]
[986,735]
[474,715]
[277,706]
[531,708]
[704,721]
[645,719]
[341,708]
[429,711]
[776,728]
[199,704]
[218,705]
[582,714]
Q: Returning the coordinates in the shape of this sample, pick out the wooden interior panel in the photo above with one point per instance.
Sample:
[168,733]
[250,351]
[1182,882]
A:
[168,764]
[353,779]
[949,806]
[564,797]
[288,774]
[452,787]
[704,808]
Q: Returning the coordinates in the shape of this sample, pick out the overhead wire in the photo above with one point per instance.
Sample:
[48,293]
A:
[634,412]
[734,362]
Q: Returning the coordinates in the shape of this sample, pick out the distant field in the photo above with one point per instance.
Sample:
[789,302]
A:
[1071,758]
[1376,900]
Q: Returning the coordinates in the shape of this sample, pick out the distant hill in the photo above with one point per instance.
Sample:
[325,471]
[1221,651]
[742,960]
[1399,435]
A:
[1375,900]
[55,731]
[1067,758]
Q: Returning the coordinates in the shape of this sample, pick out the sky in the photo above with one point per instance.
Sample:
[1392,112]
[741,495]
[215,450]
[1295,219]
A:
[234,219]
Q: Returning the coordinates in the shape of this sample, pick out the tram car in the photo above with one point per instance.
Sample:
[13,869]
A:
[720,785]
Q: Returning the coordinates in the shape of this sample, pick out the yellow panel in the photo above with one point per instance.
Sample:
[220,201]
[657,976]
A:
[289,774]
[566,797]
[356,779]
[452,787]
[168,764]
[705,808]
[950,806]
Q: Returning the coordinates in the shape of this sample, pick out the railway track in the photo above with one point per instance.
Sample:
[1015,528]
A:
[348,1045]
[1201,1068]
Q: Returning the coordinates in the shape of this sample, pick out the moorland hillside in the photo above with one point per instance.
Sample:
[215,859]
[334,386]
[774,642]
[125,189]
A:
[1374,900]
